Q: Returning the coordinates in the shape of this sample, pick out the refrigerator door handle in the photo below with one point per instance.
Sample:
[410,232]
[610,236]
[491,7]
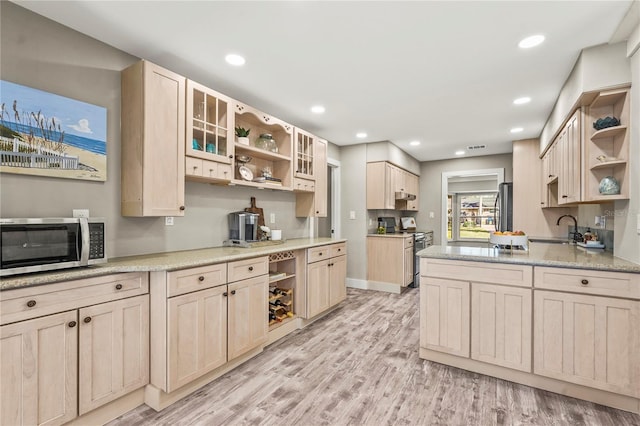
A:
[495,212]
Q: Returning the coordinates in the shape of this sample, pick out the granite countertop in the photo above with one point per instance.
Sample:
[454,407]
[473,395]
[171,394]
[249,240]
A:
[168,261]
[539,254]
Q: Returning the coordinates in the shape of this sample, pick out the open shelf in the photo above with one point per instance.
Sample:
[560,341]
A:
[254,152]
[609,132]
[609,164]
[609,98]
[275,280]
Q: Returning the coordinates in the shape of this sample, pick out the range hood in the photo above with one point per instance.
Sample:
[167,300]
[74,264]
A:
[405,196]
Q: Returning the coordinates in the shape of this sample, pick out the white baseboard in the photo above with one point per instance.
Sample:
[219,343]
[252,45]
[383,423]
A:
[374,285]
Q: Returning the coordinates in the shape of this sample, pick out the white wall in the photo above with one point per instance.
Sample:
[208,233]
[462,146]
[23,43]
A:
[627,239]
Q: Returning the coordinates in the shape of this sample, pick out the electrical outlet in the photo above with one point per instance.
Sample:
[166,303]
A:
[80,212]
[370,222]
[272,218]
[352,215]
[431,215]
[168,220]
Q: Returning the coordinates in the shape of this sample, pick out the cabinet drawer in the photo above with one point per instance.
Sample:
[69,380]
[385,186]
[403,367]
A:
[193,166]
[493,273]
[604,283]
[31,302]
[303,185]
[318,253]
[408,242]
[243,269]
[337,249]
[224,172]
[188,280]
[209,169]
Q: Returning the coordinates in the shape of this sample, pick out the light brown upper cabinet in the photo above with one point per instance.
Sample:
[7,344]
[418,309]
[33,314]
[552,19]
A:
[569,144]
[272,158]
[580,156]
[152,138]
[383,181]
[313,202]
[210,134]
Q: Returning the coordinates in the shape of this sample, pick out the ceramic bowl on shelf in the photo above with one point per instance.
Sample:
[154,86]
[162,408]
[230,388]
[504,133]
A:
[603,123]
[609,186]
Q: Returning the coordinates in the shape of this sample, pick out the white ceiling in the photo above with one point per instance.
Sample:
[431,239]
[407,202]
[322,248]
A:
[441,72]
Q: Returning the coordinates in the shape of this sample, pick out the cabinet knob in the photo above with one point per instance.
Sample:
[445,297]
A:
[584,282]
[200,278]
[339,249]
[317,211]
[565,196]
[550,175]
[230,156]
[72,324]
[250,268]
[87,320]
[233,292]
[182,208]
[225,294]
[319,253]
[118,286]
[31,303]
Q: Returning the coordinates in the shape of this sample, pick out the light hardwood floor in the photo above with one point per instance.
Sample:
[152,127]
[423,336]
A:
[360,366]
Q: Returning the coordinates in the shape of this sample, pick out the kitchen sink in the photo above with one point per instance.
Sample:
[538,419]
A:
[550,240]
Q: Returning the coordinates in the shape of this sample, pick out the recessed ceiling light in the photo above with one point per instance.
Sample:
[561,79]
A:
[317,109]
[414,143]
[234,59]
[517,130]
[531,41]
[461,152]
[522,100]
[361,135]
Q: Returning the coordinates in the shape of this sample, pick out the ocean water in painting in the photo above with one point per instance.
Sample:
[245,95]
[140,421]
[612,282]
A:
[92,145]
[84,125]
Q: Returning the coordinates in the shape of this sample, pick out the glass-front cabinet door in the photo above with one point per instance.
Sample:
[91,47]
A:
[305,145]
[210,122]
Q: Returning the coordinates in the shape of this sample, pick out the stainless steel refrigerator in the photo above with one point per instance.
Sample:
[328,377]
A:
[503,208]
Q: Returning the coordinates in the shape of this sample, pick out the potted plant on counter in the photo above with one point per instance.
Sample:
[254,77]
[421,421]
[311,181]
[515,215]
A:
[243,135]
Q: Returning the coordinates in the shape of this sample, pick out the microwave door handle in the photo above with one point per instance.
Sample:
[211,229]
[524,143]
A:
[84,232]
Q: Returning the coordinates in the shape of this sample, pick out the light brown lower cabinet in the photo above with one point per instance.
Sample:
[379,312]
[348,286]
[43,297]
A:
[114,351]
[39,370]
[198,334]
[588,340]
[501,325]
[206,328]
[61,365]
[326,277]
[390,259]
[445,315]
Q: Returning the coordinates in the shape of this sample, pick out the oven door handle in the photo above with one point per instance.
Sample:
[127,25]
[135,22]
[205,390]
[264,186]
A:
[84,234]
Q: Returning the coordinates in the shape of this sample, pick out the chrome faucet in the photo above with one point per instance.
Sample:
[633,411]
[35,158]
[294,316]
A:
[576,235]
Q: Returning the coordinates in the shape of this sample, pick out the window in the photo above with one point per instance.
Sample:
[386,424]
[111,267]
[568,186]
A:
[473,213]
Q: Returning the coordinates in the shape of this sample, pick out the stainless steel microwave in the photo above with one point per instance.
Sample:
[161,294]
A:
[36,245]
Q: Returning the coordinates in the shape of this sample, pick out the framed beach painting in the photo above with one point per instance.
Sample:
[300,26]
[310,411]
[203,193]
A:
[50,135]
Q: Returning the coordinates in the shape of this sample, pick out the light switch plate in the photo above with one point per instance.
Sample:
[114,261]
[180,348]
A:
[431,215]
[272,218]
[352,215]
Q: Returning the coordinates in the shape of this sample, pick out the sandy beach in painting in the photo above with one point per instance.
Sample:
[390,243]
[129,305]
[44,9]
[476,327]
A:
[95,161]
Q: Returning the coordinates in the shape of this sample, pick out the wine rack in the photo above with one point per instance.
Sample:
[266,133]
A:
[282,273]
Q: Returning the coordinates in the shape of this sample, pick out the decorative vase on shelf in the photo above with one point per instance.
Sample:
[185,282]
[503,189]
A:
[609,186]
[243,140]
[266,142]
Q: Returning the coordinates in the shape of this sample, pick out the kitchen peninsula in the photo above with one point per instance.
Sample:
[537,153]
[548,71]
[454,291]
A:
[556,317]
